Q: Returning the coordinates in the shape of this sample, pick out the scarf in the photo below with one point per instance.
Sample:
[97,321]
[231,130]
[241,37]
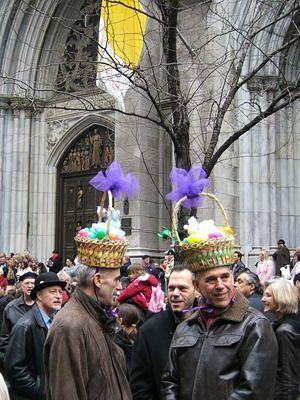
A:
[210,313]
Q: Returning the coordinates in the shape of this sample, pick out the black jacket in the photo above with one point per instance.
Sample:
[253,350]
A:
[23,361]
[234,359]
[12,313]
[150,355]
[287,332]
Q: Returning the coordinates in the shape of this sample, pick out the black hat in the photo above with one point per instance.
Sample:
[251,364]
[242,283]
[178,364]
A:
[45,280]
[27,275]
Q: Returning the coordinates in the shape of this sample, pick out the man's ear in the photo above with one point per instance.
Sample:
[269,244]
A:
[98,279]
[196,285]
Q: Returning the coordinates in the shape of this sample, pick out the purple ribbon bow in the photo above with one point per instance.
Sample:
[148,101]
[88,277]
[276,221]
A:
[115,181]
[188,183]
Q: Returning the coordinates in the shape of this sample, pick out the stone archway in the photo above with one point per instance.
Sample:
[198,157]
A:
[76,199]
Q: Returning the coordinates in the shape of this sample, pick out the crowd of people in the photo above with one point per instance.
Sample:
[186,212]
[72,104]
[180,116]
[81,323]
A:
[150,330]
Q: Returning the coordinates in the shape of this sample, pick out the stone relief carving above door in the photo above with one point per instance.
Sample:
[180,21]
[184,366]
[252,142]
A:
[92,151]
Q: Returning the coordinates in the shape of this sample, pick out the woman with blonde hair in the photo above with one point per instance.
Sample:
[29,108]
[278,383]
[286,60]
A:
[265,267]
[281,298]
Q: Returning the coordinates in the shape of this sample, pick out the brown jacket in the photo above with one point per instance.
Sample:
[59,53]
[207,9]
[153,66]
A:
[81,360]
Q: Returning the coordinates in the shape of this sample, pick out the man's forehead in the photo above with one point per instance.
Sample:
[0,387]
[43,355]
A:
[184,277]
[28,280]
[112,273]
[215,272]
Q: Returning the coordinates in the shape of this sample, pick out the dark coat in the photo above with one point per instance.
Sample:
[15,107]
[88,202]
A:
[237,268]
[11,315]
[81,360]
[55,265]
[234,359]
[287,332]
[150,355]
[24,357]
[282,258]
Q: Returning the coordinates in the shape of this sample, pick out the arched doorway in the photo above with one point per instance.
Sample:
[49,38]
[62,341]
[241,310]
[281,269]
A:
[77,200]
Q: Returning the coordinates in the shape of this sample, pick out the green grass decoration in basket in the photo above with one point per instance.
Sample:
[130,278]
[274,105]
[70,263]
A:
[206,245]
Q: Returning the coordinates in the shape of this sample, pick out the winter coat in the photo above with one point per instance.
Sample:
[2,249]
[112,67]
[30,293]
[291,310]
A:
[265,270]
[12,313]
[3,283]
[55,264]
[150,355]
[237,268]
[139,291]
[24,357]
[287,332]
[81,360]
[282,258]
[235,358]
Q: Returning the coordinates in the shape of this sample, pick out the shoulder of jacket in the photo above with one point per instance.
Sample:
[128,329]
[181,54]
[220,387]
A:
[254,316]
[155,321]
[26,321]
[14,303]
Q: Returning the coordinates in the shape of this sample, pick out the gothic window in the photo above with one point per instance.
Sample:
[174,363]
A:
[78,68]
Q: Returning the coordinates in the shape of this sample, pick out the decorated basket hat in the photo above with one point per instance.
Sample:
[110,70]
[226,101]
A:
[104,244]
[206,245]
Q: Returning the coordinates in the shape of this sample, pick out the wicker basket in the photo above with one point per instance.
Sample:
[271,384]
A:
[105,253]
[208,254]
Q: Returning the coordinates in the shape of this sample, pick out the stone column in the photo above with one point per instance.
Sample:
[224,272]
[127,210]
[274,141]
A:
[7,181]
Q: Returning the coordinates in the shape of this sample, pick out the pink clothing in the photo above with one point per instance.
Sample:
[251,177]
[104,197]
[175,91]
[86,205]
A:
[265,270]
[139,291]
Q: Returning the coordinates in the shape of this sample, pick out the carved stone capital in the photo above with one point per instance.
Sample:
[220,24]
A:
[56,129]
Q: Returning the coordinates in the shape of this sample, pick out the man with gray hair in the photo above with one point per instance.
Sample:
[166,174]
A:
[81,359]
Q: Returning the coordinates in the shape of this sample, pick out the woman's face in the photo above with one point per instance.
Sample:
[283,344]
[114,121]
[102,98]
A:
[269,301]
[261,257]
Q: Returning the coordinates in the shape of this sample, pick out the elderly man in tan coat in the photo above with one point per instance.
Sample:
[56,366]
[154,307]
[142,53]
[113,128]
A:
[82,362]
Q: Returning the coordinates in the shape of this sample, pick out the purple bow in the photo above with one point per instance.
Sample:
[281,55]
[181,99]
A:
[115,181]
[188,183]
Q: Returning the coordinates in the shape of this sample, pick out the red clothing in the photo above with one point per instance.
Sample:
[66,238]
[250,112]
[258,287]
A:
[3,283]
[139,291]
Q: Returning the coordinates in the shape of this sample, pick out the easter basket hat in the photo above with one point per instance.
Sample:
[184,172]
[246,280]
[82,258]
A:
[210,253]
[103,253]
[103,249]
[212,246]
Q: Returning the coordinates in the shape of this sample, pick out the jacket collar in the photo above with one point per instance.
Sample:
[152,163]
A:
[235,312]
[38,316]
[91,306]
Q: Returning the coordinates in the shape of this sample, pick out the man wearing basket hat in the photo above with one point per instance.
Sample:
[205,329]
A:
[80,342]
[24,355]
[226,350]
[229,346]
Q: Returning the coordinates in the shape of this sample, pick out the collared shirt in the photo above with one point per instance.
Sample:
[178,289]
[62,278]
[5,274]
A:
[46,318]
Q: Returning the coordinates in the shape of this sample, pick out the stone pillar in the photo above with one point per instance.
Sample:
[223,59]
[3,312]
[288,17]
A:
[7,181]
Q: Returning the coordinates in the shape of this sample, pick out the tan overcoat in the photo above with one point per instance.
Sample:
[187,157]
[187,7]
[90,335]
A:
[81,360]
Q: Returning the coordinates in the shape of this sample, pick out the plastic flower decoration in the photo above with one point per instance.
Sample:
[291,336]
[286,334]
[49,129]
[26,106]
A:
[188,183]
[116,181]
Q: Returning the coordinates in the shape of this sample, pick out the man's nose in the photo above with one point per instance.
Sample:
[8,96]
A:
[176,292]
[219,283]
